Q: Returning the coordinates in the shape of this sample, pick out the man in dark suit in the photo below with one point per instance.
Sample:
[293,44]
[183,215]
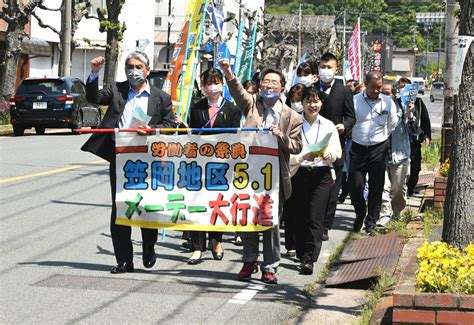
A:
[338,106]
[123,98]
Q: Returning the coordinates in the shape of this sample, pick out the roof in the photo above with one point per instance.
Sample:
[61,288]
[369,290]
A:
[307,22]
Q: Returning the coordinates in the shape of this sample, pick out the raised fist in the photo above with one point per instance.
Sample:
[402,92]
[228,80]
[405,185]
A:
[97,64]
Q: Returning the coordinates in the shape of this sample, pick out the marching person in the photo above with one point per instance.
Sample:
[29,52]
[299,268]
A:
[312,182]
[123,98]
[376,118]
[211,112]
[424,125]
[339,108]
[267,110]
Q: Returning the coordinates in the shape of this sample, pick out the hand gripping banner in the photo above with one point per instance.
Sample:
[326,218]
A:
[223,182]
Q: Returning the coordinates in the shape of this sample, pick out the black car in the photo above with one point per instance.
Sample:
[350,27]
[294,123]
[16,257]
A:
[52,103]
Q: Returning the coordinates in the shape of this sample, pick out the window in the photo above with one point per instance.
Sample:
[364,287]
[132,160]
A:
[157,21]
[78,88]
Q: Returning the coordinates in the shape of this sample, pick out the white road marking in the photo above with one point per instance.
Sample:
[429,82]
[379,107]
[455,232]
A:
[245,295]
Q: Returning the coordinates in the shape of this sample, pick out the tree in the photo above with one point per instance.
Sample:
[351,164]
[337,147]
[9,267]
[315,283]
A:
[458,229]
[109,22]
[16,14]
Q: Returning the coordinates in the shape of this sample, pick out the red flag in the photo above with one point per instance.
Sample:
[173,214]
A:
[354,53]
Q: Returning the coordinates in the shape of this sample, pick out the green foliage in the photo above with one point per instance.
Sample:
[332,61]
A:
[4,114]
[431,154]
[432,217]
[385,283]
[378,17]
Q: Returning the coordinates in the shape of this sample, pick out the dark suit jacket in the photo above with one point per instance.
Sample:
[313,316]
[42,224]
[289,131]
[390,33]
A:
[338,107]
[115,96]
[227,117]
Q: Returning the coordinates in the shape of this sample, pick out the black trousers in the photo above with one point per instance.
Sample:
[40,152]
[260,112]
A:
[198,239]
[307,206]
[121,235]
[415,166]
[370,160]
[334,193]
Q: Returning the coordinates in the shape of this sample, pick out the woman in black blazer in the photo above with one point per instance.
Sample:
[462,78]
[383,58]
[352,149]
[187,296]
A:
[211,112]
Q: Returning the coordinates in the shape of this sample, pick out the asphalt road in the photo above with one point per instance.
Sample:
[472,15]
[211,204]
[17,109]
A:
[56,252]
[435,110]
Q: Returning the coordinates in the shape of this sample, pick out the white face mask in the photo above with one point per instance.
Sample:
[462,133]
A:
[326,75]
[297,107]
[306,80]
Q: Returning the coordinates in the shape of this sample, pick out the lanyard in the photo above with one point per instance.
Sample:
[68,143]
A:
[317,133]
[211,117]
[373,107]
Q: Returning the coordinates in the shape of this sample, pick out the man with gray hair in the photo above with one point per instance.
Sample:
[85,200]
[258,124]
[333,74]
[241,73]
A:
[376,117]
[122,99]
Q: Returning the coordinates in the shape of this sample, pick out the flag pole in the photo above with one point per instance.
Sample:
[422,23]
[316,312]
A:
[359,52]
[196,57]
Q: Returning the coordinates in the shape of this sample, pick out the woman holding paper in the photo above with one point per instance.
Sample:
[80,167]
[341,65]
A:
[313,176]
[211,112]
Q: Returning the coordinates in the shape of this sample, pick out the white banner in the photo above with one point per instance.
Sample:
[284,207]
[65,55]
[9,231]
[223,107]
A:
[222,182]
[464,43]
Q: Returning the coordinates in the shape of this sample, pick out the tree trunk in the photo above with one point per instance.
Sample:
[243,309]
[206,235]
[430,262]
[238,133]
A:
[458,218]
[8,71]
[114,36]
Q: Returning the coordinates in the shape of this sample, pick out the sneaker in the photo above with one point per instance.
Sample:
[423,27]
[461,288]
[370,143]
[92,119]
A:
[291,253]
[247,270]
[383,221]
[269,277]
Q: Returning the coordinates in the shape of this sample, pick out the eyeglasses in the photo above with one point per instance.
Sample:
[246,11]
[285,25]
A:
[272,83]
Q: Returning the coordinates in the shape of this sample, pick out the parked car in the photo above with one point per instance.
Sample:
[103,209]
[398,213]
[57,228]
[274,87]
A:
[52,103]
[437,91]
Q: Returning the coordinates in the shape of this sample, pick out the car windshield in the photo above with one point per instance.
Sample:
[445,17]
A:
[43,86]
[438,86]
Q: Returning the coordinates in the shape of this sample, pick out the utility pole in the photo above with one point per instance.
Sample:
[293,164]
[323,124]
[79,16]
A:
[67,30]
[451,37]
[344,40]
[298,50]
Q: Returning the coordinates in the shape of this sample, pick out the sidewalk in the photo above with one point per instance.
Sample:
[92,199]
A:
[343,306]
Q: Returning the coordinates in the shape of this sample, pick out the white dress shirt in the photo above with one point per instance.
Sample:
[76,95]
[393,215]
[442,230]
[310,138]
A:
[313,133]
[375,119]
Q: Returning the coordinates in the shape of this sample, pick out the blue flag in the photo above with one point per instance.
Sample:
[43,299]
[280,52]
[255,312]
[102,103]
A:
[217,18]
[223,53]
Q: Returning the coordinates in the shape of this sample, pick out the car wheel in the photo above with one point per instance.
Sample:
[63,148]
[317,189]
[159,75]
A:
[18,131]
[77,124]
[431,98]
[39,130]
[98,118]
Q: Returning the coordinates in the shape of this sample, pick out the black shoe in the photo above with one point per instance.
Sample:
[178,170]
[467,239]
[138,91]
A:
[358,222]
[123,268]
[370,231]
[218,256]
[325,234]
[187,245]
[306,268]
[149,258]
[342,198]
[195,261]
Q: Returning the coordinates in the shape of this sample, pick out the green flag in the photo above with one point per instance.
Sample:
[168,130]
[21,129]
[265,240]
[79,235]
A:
[246,60]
